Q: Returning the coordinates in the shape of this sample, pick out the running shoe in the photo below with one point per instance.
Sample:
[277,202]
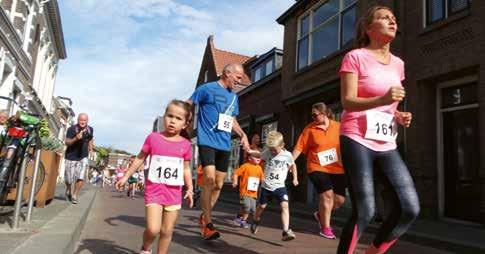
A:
[237,221]
[244,224]
[74,200]
[255,227]
[210,233]
[202,224]
[327,233]
[288,235]
[68,197]
[145,252]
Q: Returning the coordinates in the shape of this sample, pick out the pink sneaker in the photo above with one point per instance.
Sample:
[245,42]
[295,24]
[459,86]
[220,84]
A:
[327,233]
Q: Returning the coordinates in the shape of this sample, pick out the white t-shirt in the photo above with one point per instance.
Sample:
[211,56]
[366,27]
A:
[276,169]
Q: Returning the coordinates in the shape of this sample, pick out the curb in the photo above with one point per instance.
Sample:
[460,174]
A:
[61,234]
[434,241]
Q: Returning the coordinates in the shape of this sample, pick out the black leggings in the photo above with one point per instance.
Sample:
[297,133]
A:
[359,162]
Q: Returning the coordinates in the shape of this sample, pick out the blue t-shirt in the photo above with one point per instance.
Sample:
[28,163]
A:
[213,99]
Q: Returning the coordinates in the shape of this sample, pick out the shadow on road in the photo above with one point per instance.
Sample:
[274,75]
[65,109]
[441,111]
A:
[102,246]
[198,245]
[135,220]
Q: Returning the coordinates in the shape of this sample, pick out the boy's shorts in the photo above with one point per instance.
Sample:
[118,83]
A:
[248,203]
[266,196]
[167,208]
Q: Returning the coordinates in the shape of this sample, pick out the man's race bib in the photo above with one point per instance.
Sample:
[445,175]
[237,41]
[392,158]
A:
[135,175]
[328,157]
[120,174]
[253,183]
[166,170]
[380,126]
[225,122]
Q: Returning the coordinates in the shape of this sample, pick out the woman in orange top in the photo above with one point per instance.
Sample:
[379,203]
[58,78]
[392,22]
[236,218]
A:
[320,143]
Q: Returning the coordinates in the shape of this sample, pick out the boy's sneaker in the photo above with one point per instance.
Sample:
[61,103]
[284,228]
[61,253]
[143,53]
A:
[210,233]
[288,235]
[255,227]
[146,251]
[244,224]
[327,233]
[202,224]
[237,221]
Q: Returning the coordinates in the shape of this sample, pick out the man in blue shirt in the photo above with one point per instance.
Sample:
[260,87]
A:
[218,108]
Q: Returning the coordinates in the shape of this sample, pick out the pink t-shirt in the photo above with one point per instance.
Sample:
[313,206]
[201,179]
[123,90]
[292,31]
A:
[120,172]
[374,79]
[157,144]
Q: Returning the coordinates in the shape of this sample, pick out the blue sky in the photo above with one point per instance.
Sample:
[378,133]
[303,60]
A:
[128,58]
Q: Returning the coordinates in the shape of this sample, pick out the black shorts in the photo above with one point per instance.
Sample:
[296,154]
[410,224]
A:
[323,182]
[212,157]
[266,196]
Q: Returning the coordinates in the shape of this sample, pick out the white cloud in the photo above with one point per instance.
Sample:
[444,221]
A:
[127,58]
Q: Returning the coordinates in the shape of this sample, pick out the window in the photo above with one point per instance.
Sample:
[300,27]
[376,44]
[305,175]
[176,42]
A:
[206,76]
[269,67]
[325,29]
[257,74]
[266,128]
[263,69]
[437,10]
[233,159]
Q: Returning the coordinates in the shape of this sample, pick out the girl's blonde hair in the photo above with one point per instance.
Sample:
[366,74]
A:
[320,106]
[274,139]
[362,39]
[182,104]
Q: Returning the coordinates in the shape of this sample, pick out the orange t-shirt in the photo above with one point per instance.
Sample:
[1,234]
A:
[246,171]
[314,140]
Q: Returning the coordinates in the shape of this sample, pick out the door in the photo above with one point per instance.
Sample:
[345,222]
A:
[461,147]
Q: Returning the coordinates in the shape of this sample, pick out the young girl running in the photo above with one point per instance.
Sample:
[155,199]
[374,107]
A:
[371,91]
[169,169]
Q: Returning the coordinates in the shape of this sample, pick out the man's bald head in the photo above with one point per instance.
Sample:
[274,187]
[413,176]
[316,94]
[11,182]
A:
[234,67]
[232,75]
[82,120]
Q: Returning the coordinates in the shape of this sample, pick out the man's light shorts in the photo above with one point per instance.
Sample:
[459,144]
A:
[75,170]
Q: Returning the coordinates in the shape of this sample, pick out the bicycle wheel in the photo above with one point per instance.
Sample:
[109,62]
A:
[40,178]
[40,174]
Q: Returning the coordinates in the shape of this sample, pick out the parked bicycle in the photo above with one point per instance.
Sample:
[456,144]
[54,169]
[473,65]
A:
[19,142]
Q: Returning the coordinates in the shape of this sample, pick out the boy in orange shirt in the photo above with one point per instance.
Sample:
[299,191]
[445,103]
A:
[251,175]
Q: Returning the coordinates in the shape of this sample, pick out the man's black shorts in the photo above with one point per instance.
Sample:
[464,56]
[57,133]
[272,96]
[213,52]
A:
[212,157]
[323,182]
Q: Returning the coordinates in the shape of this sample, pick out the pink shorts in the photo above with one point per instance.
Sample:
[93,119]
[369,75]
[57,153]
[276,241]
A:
[162,194]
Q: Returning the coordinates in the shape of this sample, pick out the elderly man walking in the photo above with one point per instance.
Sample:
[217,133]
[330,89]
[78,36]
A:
[218,108]
[79,141]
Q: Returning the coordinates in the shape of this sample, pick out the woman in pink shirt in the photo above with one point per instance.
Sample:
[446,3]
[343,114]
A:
[371,90]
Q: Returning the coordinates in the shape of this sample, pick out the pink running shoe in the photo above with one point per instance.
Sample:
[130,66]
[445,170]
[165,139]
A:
[327,233]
